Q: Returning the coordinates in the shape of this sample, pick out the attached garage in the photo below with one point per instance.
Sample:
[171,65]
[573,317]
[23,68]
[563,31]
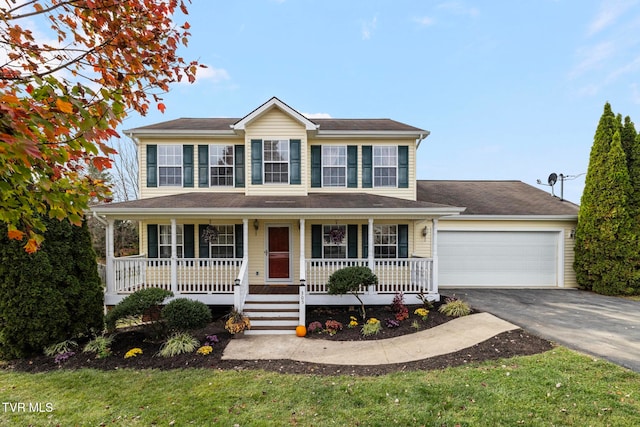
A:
[500,258]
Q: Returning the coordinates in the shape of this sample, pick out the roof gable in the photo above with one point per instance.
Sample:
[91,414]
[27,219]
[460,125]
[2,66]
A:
[267,106]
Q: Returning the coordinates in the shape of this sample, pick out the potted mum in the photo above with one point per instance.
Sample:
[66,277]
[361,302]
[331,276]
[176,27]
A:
[237,322]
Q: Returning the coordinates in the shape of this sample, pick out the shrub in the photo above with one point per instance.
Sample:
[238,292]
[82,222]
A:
[315,327]
[179,343]
[60,348]
[236,322]
[349,280]
[397,306]
[136,304]
[372,327]
[100,346]
[455,307]
[332,326]
[183,314]
[51,295]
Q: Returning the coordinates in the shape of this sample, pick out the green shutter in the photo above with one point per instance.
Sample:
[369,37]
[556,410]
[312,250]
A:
[239,240]
[403,166]
[316,241]
[365,240]
[403,241]
[352,241]
[152,165]
[203,245]
[316,166]
[352,166]
[256,161]
[188,241]
[367,166]
[187,165]
[294,161]
[238,159]
[203,166]
[152,240]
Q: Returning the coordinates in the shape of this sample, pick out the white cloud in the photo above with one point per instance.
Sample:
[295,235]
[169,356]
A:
[609,12]
[635,93]
[368,27]
[593,57]
[424,21]
[317,115]
[215,75]
[458,8]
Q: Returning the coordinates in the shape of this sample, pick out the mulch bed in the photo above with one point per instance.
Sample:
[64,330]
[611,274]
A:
[508,344]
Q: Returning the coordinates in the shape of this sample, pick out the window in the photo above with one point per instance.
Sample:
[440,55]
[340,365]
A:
[334,166]
[385,166]
[164,241]
[221,165]
[276,161]
[170,165]
[223,245]
[385,241]
[334,241]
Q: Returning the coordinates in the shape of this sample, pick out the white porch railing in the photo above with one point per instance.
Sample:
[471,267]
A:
[241,286]
[194,275]
[407,275]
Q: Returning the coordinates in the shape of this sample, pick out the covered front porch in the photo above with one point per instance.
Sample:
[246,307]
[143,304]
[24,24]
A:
[277,253]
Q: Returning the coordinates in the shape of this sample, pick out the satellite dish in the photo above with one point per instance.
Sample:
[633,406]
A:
[553,178]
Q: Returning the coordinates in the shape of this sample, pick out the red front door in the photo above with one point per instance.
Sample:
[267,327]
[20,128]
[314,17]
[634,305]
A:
[278,253]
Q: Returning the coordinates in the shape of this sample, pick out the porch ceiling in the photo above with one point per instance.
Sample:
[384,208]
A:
[312,205]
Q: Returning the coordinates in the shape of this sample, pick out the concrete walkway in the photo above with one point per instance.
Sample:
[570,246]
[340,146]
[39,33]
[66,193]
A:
[447,338]
[602,326]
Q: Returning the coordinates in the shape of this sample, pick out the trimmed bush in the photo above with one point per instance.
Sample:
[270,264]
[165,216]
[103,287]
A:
[179,343]
[49,296]
[349,280]
[136,304]
[183,314]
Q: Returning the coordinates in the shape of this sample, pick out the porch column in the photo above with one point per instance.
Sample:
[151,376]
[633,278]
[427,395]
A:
[303,261]
[245,238]
[433,286]
[110,276]
[371,258]
[174,257]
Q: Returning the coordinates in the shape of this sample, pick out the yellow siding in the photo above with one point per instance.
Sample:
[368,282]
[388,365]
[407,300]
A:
[275,124]
[401,193]
[566,226]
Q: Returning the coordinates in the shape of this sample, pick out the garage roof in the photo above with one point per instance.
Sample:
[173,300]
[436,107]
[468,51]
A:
[508,198]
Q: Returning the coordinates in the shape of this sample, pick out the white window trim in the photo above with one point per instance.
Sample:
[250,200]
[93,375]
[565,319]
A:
[287,162]
[161,165]
[323,166]
[377,226]
[343,244]
[179,238]
[373,178]
[233,169]
[233,245]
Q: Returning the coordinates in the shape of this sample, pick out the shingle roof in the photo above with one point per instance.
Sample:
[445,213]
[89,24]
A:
[224,124]
[494,198]
[314,201]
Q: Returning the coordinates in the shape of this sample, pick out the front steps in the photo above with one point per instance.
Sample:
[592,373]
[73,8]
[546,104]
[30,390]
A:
[272,314]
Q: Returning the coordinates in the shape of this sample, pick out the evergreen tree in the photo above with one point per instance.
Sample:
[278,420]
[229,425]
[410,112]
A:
[51,295]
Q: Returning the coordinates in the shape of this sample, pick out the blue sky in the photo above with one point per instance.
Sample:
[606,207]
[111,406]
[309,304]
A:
[508,89]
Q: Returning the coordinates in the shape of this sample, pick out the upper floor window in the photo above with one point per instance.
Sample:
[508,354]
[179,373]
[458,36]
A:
[334,166]
[221,165]
[276,161]
[164,240]
[334,241]
[170,165]
[385,166]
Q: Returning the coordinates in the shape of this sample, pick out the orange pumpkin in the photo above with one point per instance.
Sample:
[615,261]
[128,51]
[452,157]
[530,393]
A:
[301,331]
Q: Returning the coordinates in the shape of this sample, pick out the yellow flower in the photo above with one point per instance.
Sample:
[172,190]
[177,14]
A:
[422,312]
[353,323]
[204,350]
[133,352]
[372,321]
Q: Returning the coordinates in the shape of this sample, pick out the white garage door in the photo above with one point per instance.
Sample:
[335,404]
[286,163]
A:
[498,258]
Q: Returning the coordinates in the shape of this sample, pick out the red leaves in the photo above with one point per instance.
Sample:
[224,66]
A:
[161,107]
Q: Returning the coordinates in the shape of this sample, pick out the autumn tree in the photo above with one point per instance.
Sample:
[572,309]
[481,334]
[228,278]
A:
[60,102]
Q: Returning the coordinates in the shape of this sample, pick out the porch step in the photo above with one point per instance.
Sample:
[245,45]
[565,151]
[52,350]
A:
[272,314]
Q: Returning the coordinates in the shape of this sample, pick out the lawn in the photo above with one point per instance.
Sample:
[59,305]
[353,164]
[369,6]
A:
[560,387]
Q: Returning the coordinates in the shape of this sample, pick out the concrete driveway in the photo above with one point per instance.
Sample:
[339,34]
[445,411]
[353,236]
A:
[602,326]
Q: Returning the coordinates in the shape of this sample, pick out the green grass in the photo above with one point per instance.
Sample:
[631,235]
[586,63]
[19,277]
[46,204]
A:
[559,387]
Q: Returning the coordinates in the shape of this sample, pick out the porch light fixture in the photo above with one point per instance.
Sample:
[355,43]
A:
[572,233]
[256,225]
[425,231]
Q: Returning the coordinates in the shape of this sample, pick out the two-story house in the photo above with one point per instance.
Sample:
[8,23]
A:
[259,211]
